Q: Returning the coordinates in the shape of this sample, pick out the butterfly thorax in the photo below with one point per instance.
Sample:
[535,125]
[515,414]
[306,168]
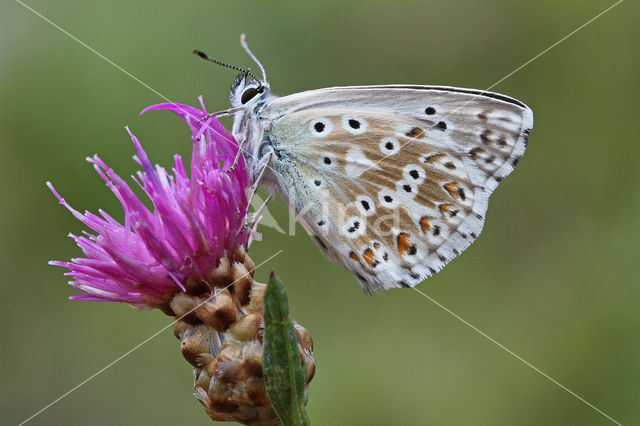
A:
[248,128]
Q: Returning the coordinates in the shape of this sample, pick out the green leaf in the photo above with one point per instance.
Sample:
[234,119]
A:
[281,360]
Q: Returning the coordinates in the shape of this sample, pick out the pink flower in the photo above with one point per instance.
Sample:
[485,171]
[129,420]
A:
[194,220]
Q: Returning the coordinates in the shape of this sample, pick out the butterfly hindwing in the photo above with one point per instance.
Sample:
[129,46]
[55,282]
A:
[393,181]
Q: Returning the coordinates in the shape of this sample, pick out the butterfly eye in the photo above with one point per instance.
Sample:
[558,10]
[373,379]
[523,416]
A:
[249,94]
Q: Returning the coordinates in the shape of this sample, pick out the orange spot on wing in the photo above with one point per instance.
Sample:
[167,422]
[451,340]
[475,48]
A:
[376,246]
[452,189]
[354,256]
[424,224]
[368,256]
[403,243]
[445,208]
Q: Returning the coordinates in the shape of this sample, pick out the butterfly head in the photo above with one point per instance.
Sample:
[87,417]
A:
[248,91]
[248,94]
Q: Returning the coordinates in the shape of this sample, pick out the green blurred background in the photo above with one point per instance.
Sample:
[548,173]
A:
[552,277]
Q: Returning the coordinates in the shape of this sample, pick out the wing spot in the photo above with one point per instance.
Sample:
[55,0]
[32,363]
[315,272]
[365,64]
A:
[354,256]
[321,223]
[485,137]
[455,190]
[354,227]
[387,198]
[368,257]
[473,235]
[389,146]
[442,125]
[424,224]
[416,132]
[433,158]
[456,252]
[320,126]
[402,241]
[430,110]
[327,161]
[404,244]
[317,182]
[354,125]
[404,284]
[484,115]
[385,257]
[474,152]
[449,165]
[365,205]
[436,230]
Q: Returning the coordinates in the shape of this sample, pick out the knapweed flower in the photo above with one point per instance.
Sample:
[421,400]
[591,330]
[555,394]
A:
[186,255]
[194,220]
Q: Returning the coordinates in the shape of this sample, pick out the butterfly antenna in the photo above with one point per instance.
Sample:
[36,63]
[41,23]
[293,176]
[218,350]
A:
[245,46]
[244,71]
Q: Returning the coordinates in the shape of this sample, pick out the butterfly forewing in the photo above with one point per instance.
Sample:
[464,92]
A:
[393,181]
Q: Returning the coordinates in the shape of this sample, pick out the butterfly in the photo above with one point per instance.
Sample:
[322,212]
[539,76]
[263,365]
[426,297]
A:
[392,182]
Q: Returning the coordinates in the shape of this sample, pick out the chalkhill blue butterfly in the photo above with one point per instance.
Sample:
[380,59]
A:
[391,181]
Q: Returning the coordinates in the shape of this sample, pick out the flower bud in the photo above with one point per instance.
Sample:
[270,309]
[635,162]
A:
[225,346]
[218,312]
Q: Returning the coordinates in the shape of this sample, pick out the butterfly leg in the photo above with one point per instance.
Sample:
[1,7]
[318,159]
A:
[255,220]
[253,225]
[235,160]
[222,113]
[263,168]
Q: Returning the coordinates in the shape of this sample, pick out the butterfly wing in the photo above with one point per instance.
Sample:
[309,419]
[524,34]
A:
[393,181]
